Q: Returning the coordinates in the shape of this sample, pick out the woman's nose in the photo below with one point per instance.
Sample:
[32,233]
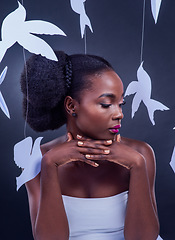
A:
[117,114]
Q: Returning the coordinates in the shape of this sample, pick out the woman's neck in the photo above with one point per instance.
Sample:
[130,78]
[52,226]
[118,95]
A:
[73,130]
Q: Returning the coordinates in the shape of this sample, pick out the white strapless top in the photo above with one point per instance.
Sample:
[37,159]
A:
[96,218]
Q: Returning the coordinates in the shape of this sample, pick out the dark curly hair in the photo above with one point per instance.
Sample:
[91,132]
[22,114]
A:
[49,82]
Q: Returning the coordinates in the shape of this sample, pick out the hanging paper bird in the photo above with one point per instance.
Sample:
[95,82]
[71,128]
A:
[172,162]
[78,7]
[3,105]
[155,7]
[16,29]
[27,158]
[142,91]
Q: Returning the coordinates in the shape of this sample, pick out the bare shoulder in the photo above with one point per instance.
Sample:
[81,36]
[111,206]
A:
[142,147]
[49,145]
[148,153]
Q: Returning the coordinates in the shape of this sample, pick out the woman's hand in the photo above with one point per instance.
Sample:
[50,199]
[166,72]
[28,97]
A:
[76,150]
[119,153]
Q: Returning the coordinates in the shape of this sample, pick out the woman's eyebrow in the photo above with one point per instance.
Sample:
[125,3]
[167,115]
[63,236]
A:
[110,95]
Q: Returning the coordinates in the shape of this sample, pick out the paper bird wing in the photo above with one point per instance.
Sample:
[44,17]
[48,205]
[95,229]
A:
[132,88]
[22,151]
[172,162]
[3,106]
[42,27]
[12,24]
[144,82]
[36,151]
[3,74]
[155,7]
[38,46]
[33,166]
[153,105]
[9,28]
[135,104]
[15,17]
[78,7]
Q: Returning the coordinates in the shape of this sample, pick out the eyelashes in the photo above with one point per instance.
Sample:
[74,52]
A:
[123,103]
[105,105]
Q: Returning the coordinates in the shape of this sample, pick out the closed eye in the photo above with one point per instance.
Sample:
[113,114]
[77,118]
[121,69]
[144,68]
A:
[105,105]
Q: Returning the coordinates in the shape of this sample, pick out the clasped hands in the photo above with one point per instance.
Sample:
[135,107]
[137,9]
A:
[113,151]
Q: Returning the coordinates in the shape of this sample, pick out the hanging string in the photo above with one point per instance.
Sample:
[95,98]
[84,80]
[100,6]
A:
[143,28]
[85,41]
[25,69]
[27,108]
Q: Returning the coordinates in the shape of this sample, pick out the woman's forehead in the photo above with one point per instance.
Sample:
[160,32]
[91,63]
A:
[107,81]
[104,84]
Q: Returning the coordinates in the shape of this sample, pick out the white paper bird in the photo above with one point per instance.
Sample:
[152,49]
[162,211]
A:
[172,162]
[3,105]
[27,158]
[142,91]
[16,29]
[78,7]
[155,7]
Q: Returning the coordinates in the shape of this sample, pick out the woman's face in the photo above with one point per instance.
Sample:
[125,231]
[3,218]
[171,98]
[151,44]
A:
[99,112]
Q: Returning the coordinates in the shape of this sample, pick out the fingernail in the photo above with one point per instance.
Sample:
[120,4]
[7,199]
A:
[80,143]
[106,151]
[109,141]
[87,156]
[78,136]
[96,164]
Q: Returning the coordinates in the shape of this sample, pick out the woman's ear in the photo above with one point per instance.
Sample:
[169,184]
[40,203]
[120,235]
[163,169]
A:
[70,105]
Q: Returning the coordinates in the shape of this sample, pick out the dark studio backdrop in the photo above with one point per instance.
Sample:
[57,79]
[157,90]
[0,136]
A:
[117,26]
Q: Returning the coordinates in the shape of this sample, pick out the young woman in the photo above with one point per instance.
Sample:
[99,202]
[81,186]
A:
[92,185]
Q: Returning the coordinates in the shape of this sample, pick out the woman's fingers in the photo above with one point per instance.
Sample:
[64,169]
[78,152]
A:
[95,144]
[89,142]
[94,151]
[89,148]
[99,142]
[92,163]
[82,138]
[95,157]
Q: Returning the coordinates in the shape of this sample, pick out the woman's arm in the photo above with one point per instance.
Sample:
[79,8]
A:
[141,216]
[51,221]
[47,211]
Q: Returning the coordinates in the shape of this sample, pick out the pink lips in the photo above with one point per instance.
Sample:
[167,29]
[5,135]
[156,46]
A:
[115,129]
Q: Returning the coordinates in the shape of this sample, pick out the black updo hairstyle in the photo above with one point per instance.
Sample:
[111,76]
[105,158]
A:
[49,82]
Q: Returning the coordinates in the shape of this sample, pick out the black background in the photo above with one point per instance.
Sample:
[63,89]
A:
[117,26]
